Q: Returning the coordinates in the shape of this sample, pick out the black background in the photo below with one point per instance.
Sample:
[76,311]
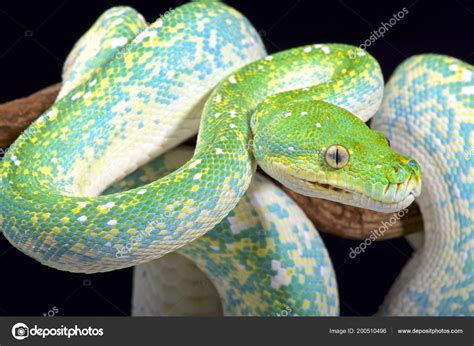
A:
[36,37]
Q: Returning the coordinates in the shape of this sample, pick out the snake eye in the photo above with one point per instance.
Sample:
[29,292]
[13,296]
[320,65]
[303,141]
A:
[337,156]
[388,142]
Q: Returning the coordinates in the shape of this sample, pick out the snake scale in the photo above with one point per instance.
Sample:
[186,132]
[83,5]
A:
[132,92]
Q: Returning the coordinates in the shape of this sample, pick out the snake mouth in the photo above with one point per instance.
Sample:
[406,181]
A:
[387,198]
[394,197]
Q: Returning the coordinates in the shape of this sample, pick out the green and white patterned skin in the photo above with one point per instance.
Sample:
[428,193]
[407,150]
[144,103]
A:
[428,112]
[284,111]
[265,258]
[173,286]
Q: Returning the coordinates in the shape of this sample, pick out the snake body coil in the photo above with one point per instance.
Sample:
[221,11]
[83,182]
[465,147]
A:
[106,127]
[132,92]
[428,111]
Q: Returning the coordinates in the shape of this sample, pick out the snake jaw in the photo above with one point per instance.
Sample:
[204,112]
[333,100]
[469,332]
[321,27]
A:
[391,202]
[390,198]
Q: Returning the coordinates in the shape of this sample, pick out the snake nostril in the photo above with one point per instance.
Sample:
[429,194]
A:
[396,173]
[396,168]
[413,166]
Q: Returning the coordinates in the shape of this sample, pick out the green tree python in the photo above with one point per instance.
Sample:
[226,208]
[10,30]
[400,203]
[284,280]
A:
[132,92]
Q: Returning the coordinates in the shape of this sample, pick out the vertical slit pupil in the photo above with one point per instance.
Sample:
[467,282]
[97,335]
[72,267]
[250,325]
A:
[337,156]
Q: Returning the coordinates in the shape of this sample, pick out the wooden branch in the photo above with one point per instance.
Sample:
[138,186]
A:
[335,218]
[17,115]
[356,223]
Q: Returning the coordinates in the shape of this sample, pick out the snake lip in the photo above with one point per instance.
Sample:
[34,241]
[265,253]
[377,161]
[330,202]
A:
[358,199]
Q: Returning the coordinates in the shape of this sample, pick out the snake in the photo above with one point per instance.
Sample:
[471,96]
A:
[439,279]
[264,259]
[133,91]
[428,111]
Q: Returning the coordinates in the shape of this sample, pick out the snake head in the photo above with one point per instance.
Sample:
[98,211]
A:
[322,150]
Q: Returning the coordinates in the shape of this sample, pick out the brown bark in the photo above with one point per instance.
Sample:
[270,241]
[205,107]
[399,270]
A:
[17,115]
[331,217]
[356,223]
